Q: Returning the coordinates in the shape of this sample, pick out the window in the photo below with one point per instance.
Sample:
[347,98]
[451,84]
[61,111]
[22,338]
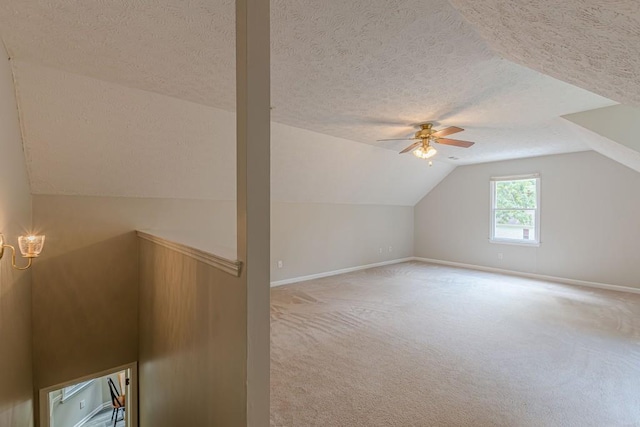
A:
[515,209]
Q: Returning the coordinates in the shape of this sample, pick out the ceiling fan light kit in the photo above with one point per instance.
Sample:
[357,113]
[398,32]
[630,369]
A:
[427,135]
[425,153]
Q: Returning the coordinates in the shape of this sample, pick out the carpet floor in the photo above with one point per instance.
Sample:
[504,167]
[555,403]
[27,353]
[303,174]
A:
[417,344]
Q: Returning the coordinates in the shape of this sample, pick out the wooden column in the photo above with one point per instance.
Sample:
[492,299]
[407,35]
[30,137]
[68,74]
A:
[253,157]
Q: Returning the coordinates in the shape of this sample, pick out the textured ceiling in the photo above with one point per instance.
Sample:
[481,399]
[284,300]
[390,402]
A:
[593,44]
[372,67]
[360,70]
[181,49]
[90,137]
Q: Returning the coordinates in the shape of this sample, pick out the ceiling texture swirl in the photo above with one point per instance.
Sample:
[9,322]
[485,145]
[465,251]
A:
[590,43]
[145,87]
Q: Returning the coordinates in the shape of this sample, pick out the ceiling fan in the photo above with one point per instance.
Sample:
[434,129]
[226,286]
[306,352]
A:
[426,135]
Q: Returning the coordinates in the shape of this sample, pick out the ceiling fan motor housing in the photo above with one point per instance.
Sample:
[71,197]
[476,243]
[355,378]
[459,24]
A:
[425,131]
[427,135]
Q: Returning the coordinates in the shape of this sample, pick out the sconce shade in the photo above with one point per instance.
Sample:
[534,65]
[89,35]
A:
[30,246]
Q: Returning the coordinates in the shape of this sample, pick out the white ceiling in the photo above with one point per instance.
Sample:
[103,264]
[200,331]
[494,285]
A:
[593,44]
[91,137]
[612,131]
[373,67]
[359,70]
[308,166]
[85,136]
[609,148]
[181,49]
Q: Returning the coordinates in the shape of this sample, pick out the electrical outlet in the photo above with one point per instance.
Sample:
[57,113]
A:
[380,250]
[390,248]
[500,256]
[280,264]
[82,403]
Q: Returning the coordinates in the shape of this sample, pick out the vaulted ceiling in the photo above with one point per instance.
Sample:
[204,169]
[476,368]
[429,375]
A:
[92,137]
[593,44]
[131,98]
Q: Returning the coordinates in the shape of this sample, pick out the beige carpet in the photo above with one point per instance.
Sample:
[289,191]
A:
[416,344]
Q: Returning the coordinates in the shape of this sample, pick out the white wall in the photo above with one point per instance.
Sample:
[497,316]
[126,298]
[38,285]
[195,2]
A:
[590,207]
[69,413]
[16,387]
[318,237]
[309,238]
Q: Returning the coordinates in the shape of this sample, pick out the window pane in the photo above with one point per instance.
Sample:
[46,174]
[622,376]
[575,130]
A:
[518,194]
[517,224]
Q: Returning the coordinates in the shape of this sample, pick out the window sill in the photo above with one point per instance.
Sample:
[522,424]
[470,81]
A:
[528,243]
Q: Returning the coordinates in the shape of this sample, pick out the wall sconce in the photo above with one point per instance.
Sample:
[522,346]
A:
[30,247]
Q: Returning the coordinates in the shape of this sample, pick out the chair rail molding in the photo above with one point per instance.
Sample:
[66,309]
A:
[229,266]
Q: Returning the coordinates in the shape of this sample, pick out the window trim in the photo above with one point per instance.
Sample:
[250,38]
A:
[492,216]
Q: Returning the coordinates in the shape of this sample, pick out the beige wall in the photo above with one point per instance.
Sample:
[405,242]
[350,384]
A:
[86,283]
[193,345]
[315,238]
[16,392]
[590,207]
[85,297]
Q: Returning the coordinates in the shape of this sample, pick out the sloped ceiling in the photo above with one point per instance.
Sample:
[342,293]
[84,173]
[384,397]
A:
[592,44]
[91,137]
[609,148]
[354,70]
[620,123]
[85,136]
[373,67]
[612,131]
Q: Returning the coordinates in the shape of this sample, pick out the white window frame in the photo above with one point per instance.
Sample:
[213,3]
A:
[492,227]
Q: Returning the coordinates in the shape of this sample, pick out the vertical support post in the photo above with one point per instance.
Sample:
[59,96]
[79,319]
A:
[254,202]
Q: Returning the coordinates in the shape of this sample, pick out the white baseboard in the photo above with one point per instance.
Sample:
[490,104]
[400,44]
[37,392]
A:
[90,415]
[532,275]
[563,280]
[336,272]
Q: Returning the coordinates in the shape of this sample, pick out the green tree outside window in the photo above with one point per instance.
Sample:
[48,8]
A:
[513,199]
